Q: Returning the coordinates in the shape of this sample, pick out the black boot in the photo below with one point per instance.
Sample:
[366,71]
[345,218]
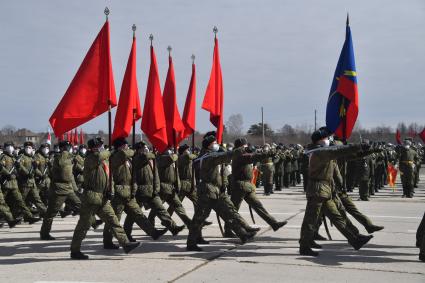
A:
[206,223]
[315,245]
[64,214]
[252,229]
[308,251]
[131,239]
[248,236]
[194,248]
[13,223]
[279,225]
[319,237]
[47,237]
[110,246]
[158,233]
[32,220]
[374,228]
[79,255]
[422,257]
[177,230]
[229,234]
[202,241]
[361,241]
[130,246]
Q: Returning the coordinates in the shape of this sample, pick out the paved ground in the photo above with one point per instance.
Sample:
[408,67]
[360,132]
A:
[271,257]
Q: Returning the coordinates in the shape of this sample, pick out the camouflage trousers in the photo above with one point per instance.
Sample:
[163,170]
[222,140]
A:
[14,199]
[420,236]
[55,203]
[133,210]
[106,214]
[4,209]
[315,206]
[31,195]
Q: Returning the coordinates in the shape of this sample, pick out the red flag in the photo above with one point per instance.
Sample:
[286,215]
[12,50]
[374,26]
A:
[422,135]
[153,120]
[213,100]
[75,142]
[71,137]
[190,106]
[129,103]
[92,90]
[81,136]
[398,136]
[175,127]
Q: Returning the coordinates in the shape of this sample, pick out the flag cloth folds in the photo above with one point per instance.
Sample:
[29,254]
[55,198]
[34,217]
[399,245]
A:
[175,127]
[189,112]
[153,120]
[398,136]
[343,102]
[214,96]
[81,136]
[129,102]
[92,90]
[75,142]
[422,135]
[71,137]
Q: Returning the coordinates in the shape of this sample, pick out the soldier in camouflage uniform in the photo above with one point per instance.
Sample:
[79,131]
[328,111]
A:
[42,171]
[187,183]
[96,200]
[9,185]
[407,161]
[319,192]
[170,185]
[243,189]
[6,213]
[26,180]
[147,192]
[267,170]
[62,188]
[364,166]
[212,195]
[287,168]
[125,192]
[278,166]
[78,168]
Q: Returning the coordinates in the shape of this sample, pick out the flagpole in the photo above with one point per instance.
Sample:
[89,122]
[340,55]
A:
[192,181]
[153,147]
[106,11]
[134,110]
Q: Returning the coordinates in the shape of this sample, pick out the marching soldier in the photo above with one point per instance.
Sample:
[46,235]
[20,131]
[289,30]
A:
[319,192]
[62,188]
[408,157]
[170,185]
[26,180]
[212,195]
[147,192]
[243,189]
[42,171]
[11,193]
[78,168]
[96,200]
[6,213]
[420,239]
[125,191]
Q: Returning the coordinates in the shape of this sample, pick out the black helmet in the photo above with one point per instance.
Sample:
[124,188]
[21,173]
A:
[118,142]
[28,143]
[64,144]
[208,140]
[139,145]
[183,148]
[319,134]
[240,142]
[96,142]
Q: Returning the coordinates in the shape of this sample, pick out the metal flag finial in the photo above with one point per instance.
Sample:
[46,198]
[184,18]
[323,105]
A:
[348,19]
[151,38]
[215,30]
[134,30]
[106,11]
[169,48]
[193,58]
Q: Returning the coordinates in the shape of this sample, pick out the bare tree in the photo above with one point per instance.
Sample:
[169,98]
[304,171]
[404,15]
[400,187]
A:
[234,125]
[8,130]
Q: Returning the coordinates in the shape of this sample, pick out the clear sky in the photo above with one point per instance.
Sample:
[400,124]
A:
[279,54]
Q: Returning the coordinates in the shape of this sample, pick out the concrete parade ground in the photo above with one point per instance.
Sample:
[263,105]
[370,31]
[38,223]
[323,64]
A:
[391,256]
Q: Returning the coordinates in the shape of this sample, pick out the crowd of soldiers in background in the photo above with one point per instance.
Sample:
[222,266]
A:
[29,175]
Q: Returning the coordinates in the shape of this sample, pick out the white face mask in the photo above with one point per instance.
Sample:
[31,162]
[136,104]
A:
[266,149]
[83,151]
[70,150]
[324,142]
[28,150]
[215,147]
[145,149]
[169,152]
[9,149]
[100,149]
[45,150]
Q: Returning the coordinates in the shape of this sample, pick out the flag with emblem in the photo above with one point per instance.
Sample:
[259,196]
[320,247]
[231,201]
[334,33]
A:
[343,102]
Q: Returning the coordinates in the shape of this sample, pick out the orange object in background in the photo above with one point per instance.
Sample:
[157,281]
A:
[392,175]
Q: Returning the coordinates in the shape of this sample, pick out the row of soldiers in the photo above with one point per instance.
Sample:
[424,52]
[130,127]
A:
[140,178]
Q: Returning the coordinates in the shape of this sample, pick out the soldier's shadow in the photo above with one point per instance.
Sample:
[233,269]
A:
[336,254]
